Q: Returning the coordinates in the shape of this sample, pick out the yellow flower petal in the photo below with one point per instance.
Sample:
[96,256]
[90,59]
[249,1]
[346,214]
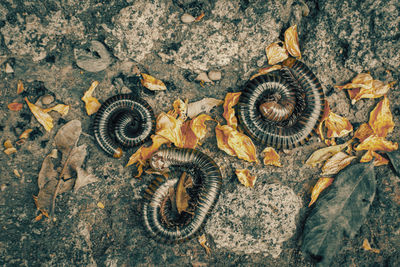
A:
[336,163]
[43,118]
[276,53]
[363,132]
[92,105]
[231,99]
[292,42]
[381,119]
[337,126]
[325,153]
[152,83]
[271,157]
[376,143]
[60,108]
[245,178]
[320,186]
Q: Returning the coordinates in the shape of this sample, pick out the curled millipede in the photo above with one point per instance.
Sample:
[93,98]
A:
[123,121]
[282,108]
[207,183]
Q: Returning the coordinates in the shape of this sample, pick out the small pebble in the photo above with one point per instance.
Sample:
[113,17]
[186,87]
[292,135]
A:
[215,75]
[9,69]
[47,99]
[187,18]
[203,77]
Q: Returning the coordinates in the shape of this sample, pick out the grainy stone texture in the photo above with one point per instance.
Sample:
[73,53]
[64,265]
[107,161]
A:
[338,39]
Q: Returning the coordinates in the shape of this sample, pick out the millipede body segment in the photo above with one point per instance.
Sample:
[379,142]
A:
[282,108]
[123,121]
[207,182]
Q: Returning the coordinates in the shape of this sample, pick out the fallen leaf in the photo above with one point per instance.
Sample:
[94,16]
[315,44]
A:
[336,163]
[376,143]
[83,178]
[20,87]
[181,196]
[100,205]
[266,70]
[379,159]
[337,126]
[25,134]
[92,105]
[339,213]
[203,243]
[194,130]
[363,132]
[325,153]
[276,53]
[8,144]
[152,83]
[205,105]
[235,143]
[271,157]
[321,185]
[15,106]
[9,148]
[42,117]
[325,115]
[169,127]
[381,119]
[231,99]
[60,108]
[292,42]
[367,246]
[67,137]
[180,109]
[245,178]
[16,173]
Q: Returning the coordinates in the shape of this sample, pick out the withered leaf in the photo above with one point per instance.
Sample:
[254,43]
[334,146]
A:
[181,196]
[152,83]
[15,106]
[67,137]
[83,178]
[325,153]
[245,177]
[266,70]
[376,143]
[231,99]
[205,105]
[367,246]
[341,211]
[271,157]
[75,161]
[92,105]
[292,42]
[336,163]
[381,119]
[47,172]
[321,185]
[276,53]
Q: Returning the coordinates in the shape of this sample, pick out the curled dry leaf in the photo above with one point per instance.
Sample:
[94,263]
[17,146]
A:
[321,185]
[271,157]
[292,42]
[245,178]
[266,70]
[367,246]
[381,119]
[336,125]
[205,105]
[60,108]
[376,143]
[336,163]
[180,109]
[195,130]
[15,106]
[83,178]
[276,53]
[203,242]
[325,153]
[363,132]
[169,127]
[25,134]
[92,105]
[235,143]
[20,87]
[231,99]
[364,86]
[379,159]
[181,196]
[152,83]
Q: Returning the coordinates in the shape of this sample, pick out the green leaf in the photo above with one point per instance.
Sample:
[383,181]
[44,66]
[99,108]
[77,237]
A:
[340,212]
[394,157]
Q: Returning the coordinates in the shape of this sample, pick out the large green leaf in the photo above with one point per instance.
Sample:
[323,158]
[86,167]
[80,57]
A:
[339,212]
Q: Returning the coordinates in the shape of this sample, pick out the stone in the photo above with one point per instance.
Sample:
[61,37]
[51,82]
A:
[47,99]
[214,75]
[187,18]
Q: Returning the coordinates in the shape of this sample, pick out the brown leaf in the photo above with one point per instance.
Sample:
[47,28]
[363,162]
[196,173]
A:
[271,157]
[47,172]
[205,105]
[363,132]
[180,109]
[152,83]
[25,134]
[15,106]
[336,163]
[84,178]
[292,42]
[169,127]
[337,126]
[266,70]
[276,53]
[9,148]
[67,137]
[320,186]
[75,161]
[231,99]
[195,130]
[379,159]
[381,119]
[20,87]
[60,108]
[245,178]
[92,105]
[181,196]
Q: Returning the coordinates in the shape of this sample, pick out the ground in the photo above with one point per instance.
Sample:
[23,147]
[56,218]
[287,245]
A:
[250,226]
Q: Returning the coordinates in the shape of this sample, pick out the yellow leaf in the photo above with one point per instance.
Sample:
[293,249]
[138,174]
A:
[100,205]
[367,246]
[203,243]
[336,163]
[337,126]
[245,178]
[194,130]
[15,106]
[266,70]
[292,42]
[60,108]
[376,143]
[43,118]
[235,143]
[276,53]
[363,132]
[325,153]
[325,115]
[231,99]
[180,109]
[271,157]
[10,150]
[25,134]
[379,159]
[92,105]
[381,119]
[169,127]
[320,186]
[20,87]
[152,83]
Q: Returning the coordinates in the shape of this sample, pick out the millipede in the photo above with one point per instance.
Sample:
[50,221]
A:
[282,108]
[207,182]
[123,121]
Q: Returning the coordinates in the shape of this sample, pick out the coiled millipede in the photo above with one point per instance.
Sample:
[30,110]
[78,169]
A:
[282,108]
[123,121]
[207,181]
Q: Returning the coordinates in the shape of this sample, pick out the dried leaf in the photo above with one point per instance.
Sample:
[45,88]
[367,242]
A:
[320,186]
[381,119]
[75,161]
[379,160]
[266,70]
[205,105]
[336,163]
[47,172]
[292,42]
[20,87]
[231,99]
[92,105]
[325,115]
[43,118]
[203,243]
[363,132]
[245,178]
[325,153]
[67,137]
[271,157]
[15,106]
[83,178]
[337,126]
[195,130]
[376,143]
[180,109]
[181,196]
[169,127]
[367,246]
[276,53]
[8,144]
[235,143]
[60,108]
[9,148]
[100,205]
[339,212]
[25,134]
[152,83]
